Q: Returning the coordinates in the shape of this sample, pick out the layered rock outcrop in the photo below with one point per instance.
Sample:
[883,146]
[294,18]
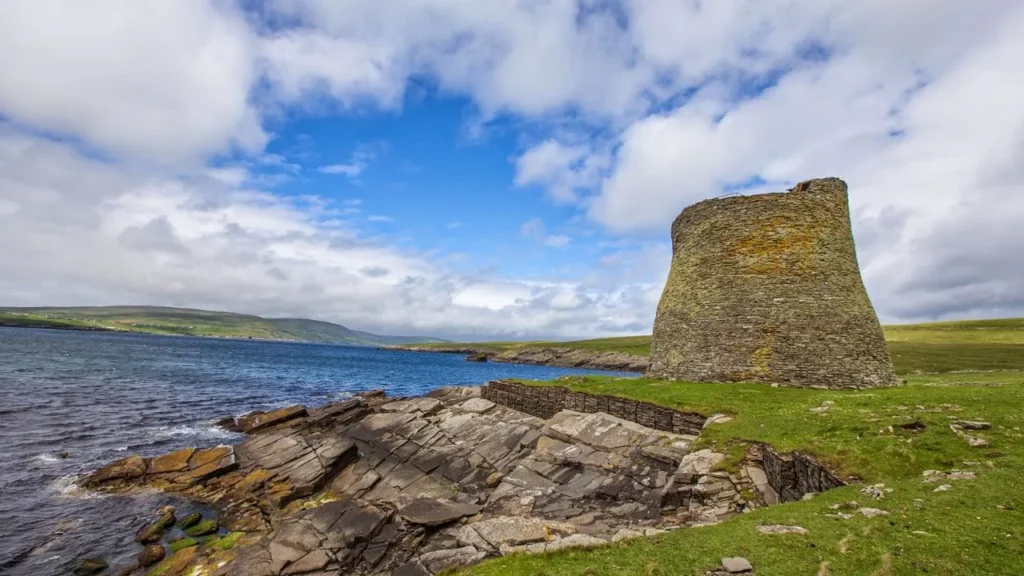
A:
[767,288]
[415,486]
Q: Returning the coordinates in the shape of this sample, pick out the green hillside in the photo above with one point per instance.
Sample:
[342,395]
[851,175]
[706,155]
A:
[933,348]
[189,322]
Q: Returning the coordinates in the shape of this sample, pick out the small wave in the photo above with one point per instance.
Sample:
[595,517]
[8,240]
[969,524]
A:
[202,432]
[121,449]
[49,458]
[67,486]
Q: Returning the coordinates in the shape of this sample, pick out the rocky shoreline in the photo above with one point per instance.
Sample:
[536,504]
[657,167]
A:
[415,486]
[547,356]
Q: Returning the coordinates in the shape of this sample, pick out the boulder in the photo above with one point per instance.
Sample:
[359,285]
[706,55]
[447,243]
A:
[435,512]
[260,420]
[128,468]
[173,462]
[203,528]
[228,423]
[190,520]
[155,531]
[151,555]
[90,566]
[698,464]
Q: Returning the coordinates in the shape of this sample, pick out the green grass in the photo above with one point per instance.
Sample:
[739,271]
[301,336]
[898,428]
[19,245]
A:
[977,528]
[188,322]
[960,370]
[971,346]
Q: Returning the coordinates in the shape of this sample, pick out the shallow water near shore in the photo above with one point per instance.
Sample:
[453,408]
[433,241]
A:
[72,401]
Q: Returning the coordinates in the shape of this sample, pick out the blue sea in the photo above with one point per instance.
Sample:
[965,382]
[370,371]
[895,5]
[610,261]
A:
[73,401]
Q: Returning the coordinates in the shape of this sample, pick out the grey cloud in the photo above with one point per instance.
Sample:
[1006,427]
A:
[375,271]
[277,274]
[158,235]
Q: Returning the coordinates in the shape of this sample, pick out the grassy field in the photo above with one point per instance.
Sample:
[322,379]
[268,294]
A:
[189,322]
[975,345]
[976,528]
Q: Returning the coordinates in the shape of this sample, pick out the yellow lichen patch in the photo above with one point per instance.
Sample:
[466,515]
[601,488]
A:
[762,357]
[316,501]
[173,462]
[779,247]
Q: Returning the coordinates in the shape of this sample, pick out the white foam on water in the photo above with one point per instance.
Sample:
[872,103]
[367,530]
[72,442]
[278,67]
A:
[67,487]
[201,432]
[47,458]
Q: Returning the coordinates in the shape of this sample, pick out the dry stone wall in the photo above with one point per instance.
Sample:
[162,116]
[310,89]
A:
[767,288]
[546,401]
[796,474]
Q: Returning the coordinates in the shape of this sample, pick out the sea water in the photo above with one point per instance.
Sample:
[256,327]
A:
[73,401]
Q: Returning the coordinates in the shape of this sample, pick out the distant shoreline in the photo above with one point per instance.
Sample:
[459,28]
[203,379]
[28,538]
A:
[171,321]
[105,330]
[542,355]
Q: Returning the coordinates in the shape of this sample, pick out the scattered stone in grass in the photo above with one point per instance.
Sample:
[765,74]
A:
[877,491]
[780,529]
[717,419]
[825,407]
[944,488]
[840,516]
[851,505]
[973,441]
[921,533]
[972,424]
[808,496]
[918,502]
[736,565]
[872,512]
[937,475]
[915,426]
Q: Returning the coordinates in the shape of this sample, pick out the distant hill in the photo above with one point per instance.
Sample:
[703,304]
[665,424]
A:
[190,322]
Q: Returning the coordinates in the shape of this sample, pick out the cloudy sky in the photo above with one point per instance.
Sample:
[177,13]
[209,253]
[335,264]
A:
[506,168]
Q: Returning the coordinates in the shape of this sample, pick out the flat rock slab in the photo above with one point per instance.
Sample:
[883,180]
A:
[516,530]
[261,420]
[736,565]
[598,430]
[476,405]
[425,406]
[435,512]
[698,464]
[779,529]
[440,560]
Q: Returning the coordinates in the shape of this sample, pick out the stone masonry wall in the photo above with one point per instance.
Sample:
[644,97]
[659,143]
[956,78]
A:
[546,401]
[794,475]
[767,288]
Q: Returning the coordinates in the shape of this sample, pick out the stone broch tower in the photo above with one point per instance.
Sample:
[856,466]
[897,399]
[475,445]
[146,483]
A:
[767,288]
